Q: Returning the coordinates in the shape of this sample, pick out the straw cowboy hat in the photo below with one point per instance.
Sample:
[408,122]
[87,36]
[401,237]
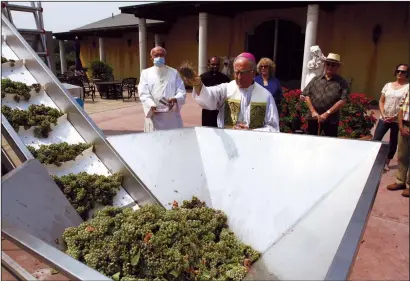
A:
[333,58]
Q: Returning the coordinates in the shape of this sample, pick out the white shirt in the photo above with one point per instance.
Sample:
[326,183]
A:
[156,83]
[393,98]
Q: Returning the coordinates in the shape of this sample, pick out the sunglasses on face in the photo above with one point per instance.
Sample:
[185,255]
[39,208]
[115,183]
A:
[401,71]
[331,64]
[264,66]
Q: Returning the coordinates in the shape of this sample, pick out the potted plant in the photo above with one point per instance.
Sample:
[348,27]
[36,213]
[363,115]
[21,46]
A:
[293,112]
[100,70]
[357,118]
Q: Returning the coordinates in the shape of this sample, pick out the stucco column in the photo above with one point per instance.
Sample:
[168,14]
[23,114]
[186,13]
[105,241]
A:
[157,40]
[203,42]
[63,61]
[310,38]
[101,48]
[142,26]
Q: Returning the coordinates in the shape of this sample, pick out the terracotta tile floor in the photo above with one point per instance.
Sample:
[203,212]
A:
[383,254]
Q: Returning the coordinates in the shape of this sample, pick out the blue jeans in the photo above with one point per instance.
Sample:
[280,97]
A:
[381,130]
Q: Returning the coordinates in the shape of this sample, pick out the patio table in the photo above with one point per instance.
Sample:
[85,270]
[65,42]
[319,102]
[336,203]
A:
[109,89]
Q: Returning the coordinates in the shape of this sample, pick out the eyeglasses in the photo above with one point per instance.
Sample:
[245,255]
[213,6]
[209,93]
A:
[401,71]
[242,72]
[331,64]
[263,66]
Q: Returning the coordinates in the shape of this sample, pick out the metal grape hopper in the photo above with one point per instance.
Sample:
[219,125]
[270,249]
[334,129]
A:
[303,201]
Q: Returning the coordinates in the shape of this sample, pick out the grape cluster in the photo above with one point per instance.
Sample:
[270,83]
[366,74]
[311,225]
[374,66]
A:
[18,89]
[84,190]
[190,242]
[3,60]
[36,87]
[39,116]
[58,153]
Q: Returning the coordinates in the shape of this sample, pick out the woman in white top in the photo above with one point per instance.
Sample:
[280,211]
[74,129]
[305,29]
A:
[392,93]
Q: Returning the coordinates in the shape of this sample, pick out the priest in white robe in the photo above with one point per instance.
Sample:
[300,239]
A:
[162,94]
[242,103]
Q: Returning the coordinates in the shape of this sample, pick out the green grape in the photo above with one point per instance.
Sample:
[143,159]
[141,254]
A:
[190,242]
[17,88]
[58,153]
[83,190]
[39,116]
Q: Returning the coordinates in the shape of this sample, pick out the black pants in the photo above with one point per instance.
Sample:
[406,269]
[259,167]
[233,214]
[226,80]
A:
[329,128]
[209,118]
[381,130]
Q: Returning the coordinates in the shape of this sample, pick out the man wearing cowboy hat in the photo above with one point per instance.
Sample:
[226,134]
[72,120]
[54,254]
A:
[325,95]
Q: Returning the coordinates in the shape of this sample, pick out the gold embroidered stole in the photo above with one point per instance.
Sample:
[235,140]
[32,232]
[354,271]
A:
[233,106]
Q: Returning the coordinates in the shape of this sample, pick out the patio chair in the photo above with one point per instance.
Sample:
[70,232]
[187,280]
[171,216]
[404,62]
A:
[89,89]
[129,84]
[78,81]
[63,78]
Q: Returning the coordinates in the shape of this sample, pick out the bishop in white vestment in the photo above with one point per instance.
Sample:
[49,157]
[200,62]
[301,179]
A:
[242,103]
[253,106]
[161,82]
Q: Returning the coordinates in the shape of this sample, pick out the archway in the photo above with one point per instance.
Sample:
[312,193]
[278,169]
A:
[287,52]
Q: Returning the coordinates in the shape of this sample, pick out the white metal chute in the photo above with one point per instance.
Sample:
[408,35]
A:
[289,196]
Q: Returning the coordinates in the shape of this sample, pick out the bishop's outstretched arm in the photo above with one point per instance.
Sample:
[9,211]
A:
[210,98]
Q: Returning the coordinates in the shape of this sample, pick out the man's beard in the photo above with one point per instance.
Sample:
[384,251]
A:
[161,70]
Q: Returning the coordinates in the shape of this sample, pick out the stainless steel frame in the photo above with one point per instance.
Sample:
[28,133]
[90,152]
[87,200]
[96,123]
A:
[76,115]
[14,140]
[346,253]
[69,267]
[15,269]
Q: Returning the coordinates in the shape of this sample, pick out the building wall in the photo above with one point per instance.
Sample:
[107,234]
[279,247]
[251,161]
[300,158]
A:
[123,59]
[226,36]
[182,45]
[247,21]
[371,66]
[346,31]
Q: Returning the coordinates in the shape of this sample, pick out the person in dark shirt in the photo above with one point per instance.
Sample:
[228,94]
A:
[212,78]
[325,95]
